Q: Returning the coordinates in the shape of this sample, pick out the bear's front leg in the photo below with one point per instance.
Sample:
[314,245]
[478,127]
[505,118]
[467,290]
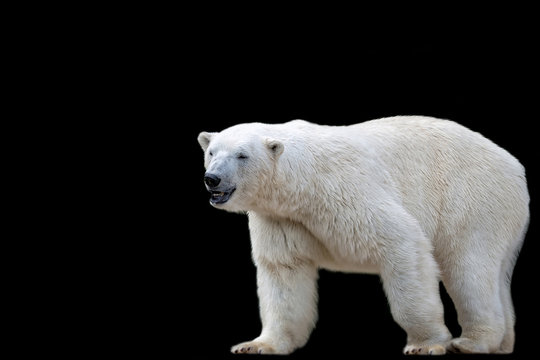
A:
[288,307]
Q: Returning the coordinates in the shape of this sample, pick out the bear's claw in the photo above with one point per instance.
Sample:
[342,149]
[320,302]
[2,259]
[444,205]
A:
[434,349]
[252,347]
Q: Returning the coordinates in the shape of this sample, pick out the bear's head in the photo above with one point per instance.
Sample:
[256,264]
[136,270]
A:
[239,162]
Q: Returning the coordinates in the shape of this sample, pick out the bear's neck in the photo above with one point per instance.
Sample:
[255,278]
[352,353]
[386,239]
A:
[309,179]
[294,193]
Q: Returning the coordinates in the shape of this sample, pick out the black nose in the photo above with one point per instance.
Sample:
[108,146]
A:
[211,180]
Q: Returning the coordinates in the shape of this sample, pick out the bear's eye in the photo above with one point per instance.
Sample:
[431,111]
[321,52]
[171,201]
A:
[242,156]
[210,153]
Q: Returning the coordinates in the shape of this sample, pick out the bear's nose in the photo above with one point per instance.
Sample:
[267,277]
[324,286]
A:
[211,180]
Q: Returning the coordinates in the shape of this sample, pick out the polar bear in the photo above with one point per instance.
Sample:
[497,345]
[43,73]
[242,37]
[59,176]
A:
[414,199]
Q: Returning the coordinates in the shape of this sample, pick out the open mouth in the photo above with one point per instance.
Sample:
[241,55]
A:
[220,197]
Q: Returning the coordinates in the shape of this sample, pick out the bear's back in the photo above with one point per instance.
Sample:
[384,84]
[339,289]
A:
[442,170]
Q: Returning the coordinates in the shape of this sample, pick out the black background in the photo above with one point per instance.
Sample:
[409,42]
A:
[179,273]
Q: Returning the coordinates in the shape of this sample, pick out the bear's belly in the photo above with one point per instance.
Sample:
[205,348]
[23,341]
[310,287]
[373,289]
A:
[342,265]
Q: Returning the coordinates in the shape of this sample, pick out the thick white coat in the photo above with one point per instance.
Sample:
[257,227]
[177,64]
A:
[414,199]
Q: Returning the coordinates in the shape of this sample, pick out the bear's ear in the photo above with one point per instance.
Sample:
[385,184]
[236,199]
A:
[204,139]
[274,146]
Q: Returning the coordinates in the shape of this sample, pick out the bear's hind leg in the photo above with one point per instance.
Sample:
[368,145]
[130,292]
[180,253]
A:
[412,287]
[475,290]
[507,344]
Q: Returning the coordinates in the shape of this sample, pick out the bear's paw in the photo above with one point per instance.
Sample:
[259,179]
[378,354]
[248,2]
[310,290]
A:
[433,349]
[253,347]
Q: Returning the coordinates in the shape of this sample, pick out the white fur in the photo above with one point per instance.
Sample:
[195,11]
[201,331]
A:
[414,199]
